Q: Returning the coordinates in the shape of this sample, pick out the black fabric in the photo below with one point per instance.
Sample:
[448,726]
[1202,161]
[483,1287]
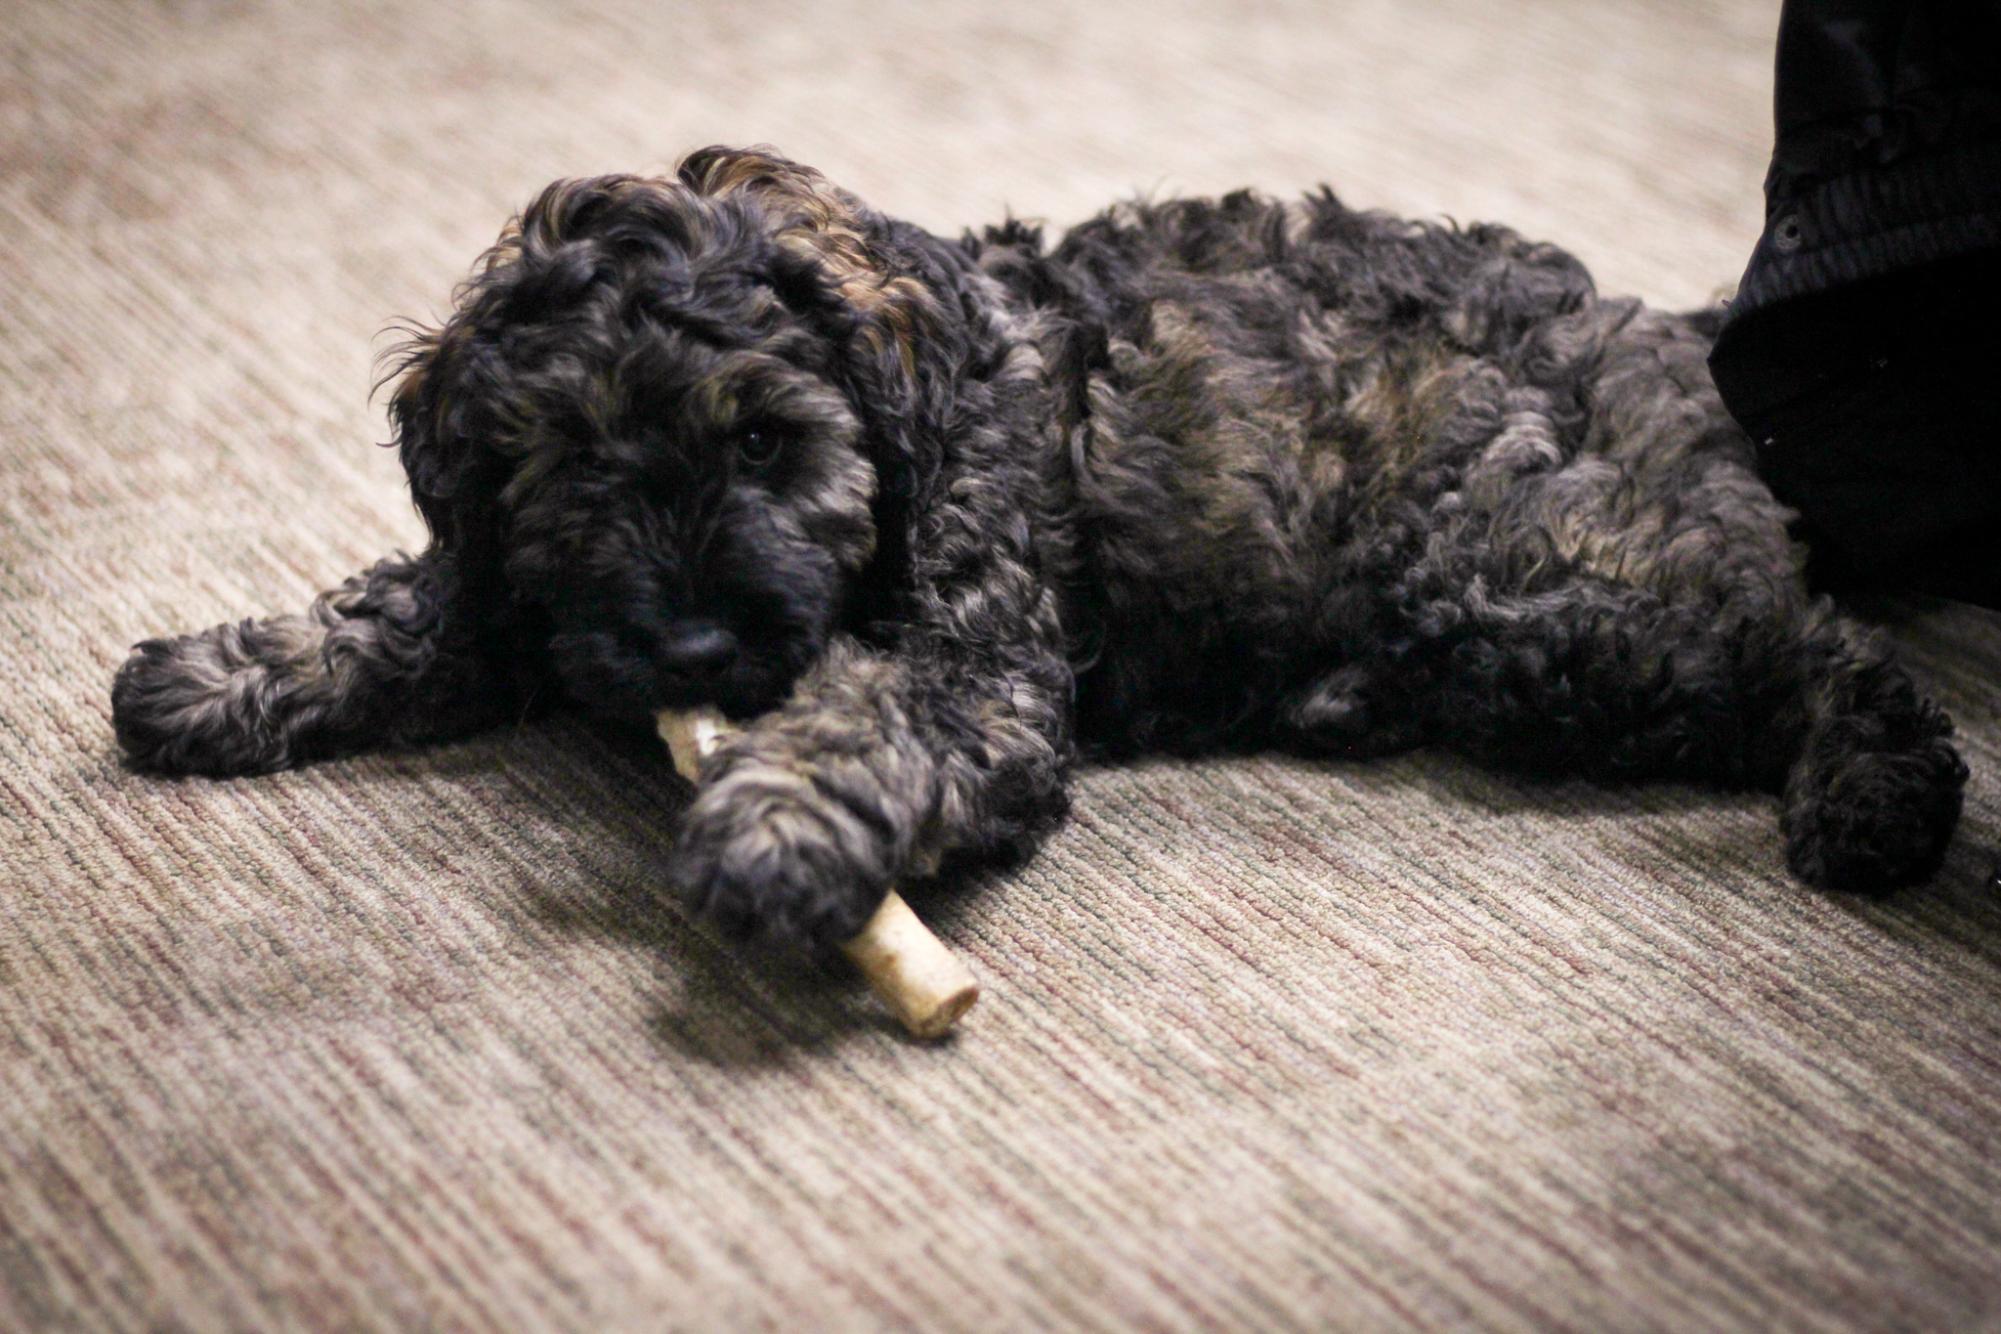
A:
[1865,83]
[1859,350]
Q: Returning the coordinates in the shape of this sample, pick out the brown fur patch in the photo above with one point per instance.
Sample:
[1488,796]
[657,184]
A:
[825,222]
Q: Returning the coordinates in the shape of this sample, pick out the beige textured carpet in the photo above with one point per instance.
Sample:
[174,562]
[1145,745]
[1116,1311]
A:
[413,1041]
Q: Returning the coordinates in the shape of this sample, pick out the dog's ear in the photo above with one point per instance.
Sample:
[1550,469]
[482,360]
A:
[442,376]
[455,484]
[427,415]
[453,481]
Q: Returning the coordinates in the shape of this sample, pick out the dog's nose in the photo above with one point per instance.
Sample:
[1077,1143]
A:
[698,650]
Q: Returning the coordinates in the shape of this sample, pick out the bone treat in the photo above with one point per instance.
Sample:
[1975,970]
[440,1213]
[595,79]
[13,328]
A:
[920,980]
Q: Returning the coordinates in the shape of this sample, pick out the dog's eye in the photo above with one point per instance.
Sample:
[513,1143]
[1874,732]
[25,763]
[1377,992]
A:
[757,447]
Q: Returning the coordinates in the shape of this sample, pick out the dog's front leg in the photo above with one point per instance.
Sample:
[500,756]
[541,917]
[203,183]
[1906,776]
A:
[879,767]
[393,656]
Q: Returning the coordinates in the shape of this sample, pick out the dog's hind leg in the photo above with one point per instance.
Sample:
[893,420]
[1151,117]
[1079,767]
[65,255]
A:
[1606,679]
[390,657]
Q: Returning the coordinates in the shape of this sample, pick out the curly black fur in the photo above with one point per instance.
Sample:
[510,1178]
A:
[937,514]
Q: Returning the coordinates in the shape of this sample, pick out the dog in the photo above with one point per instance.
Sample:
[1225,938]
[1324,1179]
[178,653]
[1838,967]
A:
[934,518]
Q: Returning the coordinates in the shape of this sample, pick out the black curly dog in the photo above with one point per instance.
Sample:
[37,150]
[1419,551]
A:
[938,515]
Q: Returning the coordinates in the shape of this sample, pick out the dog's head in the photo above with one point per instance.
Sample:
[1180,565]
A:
[661,418]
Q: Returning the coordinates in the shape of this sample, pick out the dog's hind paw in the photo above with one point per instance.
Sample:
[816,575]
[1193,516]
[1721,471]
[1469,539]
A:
[1873,820]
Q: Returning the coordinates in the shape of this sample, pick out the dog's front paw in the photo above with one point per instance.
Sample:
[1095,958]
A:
[766,854]
[199,704]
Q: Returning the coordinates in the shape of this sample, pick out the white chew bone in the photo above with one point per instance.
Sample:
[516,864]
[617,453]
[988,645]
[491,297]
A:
[917,977]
